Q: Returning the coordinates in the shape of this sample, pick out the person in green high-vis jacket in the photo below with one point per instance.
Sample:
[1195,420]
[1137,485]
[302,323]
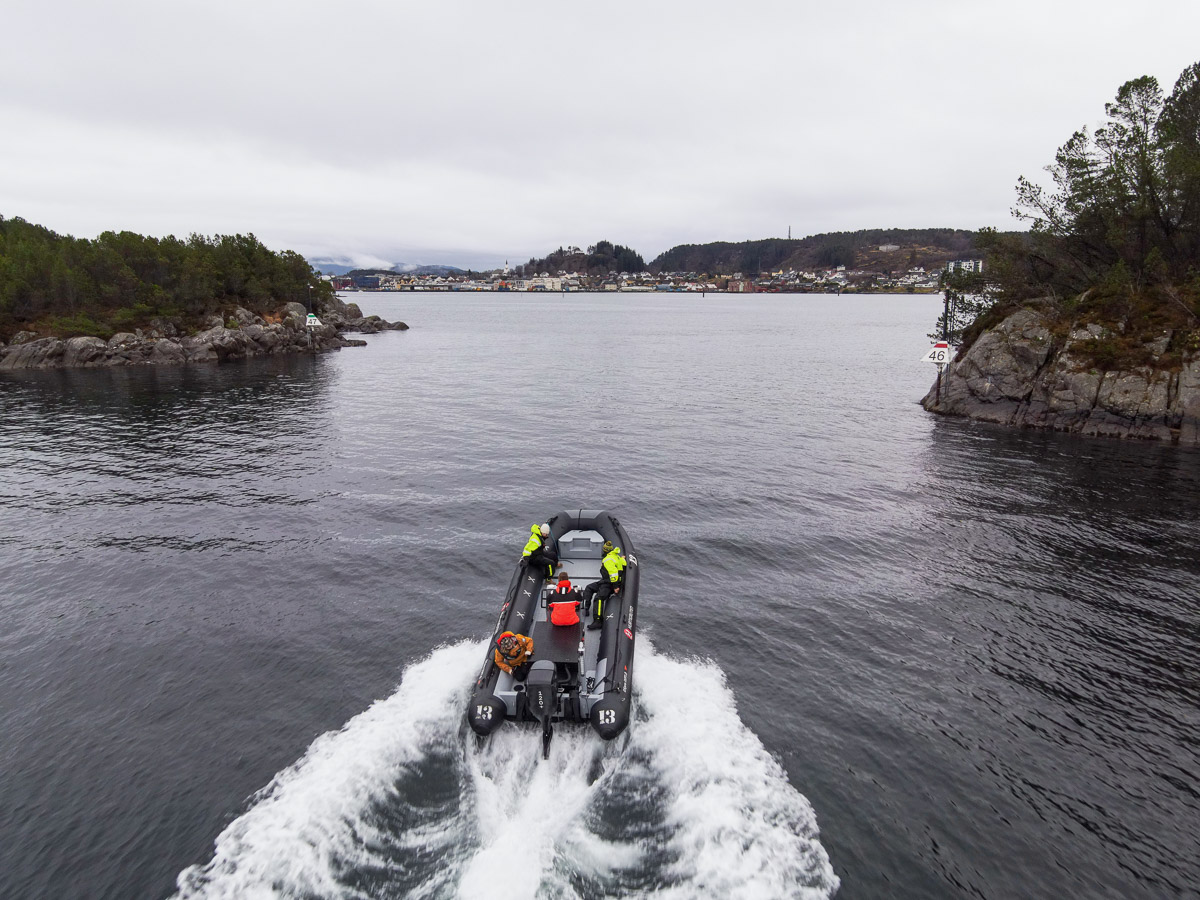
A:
[539,550]
[612,573]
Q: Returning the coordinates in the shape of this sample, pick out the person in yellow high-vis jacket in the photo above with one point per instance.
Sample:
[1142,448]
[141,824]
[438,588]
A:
[539,550]
[612,573]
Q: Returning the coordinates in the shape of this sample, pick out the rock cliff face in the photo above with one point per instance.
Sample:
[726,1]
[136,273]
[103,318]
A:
[245,335]
[1018,374]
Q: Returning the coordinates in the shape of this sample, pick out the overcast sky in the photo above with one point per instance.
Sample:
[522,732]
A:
[471,132]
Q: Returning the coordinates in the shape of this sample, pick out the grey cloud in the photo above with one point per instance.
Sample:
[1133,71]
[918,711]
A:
[452,129]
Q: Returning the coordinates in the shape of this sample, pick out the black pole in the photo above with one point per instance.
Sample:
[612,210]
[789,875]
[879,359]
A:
[946,316]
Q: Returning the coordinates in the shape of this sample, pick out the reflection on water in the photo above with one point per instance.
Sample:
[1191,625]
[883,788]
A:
[1072,569]
[159,439]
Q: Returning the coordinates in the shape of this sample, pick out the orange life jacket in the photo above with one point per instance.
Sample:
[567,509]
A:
[564,613]
[524,651]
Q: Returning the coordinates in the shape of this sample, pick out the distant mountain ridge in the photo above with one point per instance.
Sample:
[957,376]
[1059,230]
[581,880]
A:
[875,249]
[879,250]
[332,268]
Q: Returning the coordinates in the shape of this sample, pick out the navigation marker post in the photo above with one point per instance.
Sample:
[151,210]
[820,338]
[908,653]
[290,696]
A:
[940,355]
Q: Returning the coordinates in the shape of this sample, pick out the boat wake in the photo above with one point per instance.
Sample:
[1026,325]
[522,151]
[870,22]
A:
[403,801]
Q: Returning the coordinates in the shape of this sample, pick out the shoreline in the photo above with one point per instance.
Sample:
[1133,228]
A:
[244,336]
[1019,375]
[453,290]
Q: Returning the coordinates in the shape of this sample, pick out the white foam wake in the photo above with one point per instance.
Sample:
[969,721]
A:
[308,825]
[687,804]
[738,828]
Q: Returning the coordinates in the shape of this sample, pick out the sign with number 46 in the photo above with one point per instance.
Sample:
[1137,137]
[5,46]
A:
[940,353]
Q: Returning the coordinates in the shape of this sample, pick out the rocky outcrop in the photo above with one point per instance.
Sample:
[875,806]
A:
[348,317]
[244,335]
[1019,374]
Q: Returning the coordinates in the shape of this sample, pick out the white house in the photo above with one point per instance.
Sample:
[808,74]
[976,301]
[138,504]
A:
[965,265]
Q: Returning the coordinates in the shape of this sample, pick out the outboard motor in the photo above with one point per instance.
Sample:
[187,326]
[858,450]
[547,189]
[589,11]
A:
[486,713]
[541,697]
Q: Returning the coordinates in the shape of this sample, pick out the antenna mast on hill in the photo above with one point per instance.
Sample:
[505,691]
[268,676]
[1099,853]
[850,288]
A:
[789,232]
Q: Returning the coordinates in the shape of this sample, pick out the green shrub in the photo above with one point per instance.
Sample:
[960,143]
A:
[79,325]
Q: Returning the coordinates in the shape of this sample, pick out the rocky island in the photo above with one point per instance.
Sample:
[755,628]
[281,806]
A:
[1090,323]
[1020,373]
[125,299]
[242,336]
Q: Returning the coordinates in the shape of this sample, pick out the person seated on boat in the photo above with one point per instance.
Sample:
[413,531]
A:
[613,572]
[512,654]
[565,602]
[563,585]
[590,590]
[565,611]
[604,551]
[540,551]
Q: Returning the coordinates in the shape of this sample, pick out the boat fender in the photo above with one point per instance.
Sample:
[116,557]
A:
[610,716]
[486,714]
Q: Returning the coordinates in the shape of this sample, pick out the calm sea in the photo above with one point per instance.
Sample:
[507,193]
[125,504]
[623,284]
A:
[881,654]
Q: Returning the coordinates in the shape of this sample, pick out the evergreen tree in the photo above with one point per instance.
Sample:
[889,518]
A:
[121,280]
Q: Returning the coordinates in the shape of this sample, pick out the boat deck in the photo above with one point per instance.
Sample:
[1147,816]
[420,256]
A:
[580,553]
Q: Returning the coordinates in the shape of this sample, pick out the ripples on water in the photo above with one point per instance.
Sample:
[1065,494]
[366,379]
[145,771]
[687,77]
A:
[973,651]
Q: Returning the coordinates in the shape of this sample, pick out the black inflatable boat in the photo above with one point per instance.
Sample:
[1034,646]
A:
[576,674]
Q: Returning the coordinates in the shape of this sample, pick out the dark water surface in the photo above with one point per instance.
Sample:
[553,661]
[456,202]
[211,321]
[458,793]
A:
[969,657]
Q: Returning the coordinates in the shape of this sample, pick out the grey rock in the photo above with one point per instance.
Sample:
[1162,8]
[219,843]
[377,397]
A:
[40,354]
[295,309]
[1130,395]
[85,351]
[244,317]
[1014,375]
[269,337]
[166,327]
[200,353]
[1087,333]
[23,337]
[367,325]
[334,306]
[1185,403]
[167,352]
[1159,345]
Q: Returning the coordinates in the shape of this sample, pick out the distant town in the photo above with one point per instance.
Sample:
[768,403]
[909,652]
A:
[825,281]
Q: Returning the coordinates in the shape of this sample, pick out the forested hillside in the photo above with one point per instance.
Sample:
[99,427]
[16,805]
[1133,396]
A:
[931,248]
[600,259]
[71,286]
